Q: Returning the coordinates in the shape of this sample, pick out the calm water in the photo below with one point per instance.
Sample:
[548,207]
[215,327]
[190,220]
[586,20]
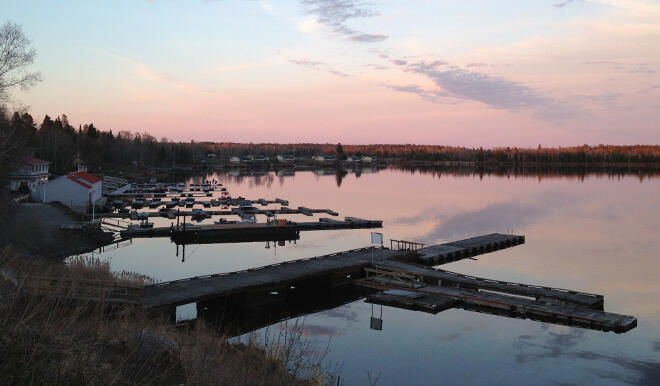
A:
[594,233]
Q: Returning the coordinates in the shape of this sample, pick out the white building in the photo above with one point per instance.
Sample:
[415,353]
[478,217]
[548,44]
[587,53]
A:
[285,158]
[234,160]
[78,190]
[325,158]
[366,158]
[31,176]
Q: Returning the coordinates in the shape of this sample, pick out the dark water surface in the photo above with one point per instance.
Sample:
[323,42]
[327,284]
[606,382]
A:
[596,233]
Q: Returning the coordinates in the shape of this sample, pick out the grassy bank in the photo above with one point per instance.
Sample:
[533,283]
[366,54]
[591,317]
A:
[57,328]
[34,230]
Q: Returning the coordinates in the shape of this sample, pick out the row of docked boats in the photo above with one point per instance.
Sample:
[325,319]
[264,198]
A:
[184,195]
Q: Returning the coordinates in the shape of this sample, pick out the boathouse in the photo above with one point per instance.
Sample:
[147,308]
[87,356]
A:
[31,176]
[78,190]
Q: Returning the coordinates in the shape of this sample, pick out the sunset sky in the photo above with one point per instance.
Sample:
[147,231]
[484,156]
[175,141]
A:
[475,73]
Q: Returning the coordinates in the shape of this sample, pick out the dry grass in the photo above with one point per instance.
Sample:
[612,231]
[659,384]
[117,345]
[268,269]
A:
[51,334]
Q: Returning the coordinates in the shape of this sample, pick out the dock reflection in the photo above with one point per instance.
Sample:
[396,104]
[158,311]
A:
[239,315]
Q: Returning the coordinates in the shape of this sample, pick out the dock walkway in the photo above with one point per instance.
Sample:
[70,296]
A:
[288,231]
[188,290]
[453,279]
[198,288]
[456,250]
[437,296]
[402,284]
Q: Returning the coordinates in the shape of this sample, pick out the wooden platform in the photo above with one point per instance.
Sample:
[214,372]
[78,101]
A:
[575,316]
[453,279]
[414,301]
[253,231]
[440,254]
[405,285]
[198,288]
[203,287]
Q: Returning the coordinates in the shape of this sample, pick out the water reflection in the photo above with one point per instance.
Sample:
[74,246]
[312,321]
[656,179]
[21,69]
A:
[266,176]
[564,345]
[593,231]
[236,315]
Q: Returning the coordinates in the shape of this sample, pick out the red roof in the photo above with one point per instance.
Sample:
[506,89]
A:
[77,181]
[89,177]
[34,161]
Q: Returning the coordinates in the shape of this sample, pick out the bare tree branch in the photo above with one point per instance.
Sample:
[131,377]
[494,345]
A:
[15,56]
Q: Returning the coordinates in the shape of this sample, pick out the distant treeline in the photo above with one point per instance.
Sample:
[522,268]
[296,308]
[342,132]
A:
[436,153]
[65,146]
[57,141]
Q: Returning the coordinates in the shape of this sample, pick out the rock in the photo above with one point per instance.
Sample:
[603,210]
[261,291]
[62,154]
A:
[153,346]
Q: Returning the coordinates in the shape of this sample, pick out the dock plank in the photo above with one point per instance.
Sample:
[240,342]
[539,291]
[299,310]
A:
[547,294]
[577,316]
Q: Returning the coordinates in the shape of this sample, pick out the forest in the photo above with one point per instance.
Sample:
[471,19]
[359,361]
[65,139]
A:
[64,145]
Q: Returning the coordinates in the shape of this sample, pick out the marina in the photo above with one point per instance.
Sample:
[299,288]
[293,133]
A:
[400,283]
[404,275]
[240,280]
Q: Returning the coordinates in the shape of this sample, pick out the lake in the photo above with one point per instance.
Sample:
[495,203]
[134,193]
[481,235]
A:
[592,232]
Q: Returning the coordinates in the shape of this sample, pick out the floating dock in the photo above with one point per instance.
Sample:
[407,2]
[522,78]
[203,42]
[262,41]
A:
[251,231]
[400,283]
[432,298]
[263,279]
[456,250]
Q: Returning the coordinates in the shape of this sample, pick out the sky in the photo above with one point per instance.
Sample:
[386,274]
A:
[477,73]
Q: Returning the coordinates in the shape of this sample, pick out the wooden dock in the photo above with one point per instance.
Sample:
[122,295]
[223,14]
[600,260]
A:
[252,231]
[216,212]
[456,250]
[406,285]
[457,280]
[187,290]
[262,279]
[437,298]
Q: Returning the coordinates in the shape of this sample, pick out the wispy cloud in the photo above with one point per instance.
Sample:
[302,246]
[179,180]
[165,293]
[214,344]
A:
[319,66]
[149,73]
[608,99]
[562,4]
[630,68]
[652,87]
[337,13]
[494,91]
[434,96]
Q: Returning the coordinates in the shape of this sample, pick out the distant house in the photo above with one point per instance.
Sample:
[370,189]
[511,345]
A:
[30,177]
[353,158]
[325,158]
[368,159]
[247,158]
[261,158]
[78,190]
[211,155]
[234,160]
[286,158]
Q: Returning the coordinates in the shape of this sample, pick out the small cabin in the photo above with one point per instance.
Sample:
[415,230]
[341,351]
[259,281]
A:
[78,190]
[30,177]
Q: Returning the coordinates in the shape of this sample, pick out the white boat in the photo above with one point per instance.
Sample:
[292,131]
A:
[248,218]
